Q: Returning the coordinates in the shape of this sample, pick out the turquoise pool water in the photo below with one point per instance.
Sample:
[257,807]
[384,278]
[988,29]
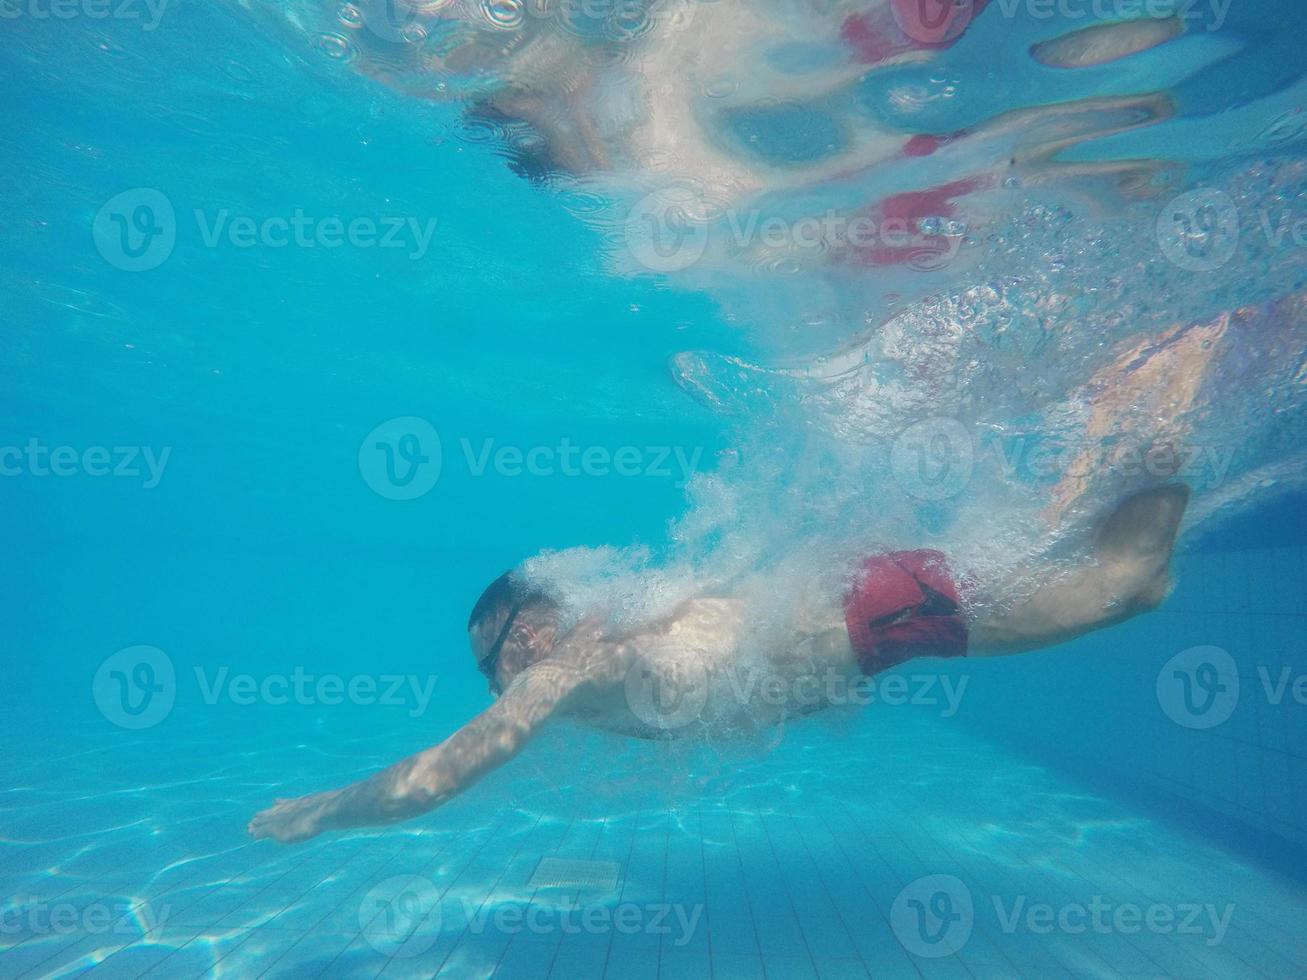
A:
[318,317]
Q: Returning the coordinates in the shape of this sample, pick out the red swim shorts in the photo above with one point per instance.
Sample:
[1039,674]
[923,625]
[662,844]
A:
[903,605]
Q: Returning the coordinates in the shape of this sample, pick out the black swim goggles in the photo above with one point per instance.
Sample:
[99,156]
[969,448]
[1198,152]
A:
[489,664]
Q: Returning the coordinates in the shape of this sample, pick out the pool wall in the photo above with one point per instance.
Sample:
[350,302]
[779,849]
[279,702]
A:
[1112,705]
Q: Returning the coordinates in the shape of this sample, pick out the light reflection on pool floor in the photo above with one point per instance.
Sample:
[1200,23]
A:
[789,864]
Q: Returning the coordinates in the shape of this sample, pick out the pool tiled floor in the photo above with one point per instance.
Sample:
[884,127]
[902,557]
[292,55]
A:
[890,845]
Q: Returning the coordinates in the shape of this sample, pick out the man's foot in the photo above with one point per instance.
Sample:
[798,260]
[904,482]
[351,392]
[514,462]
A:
[1144,527]
[1135,544]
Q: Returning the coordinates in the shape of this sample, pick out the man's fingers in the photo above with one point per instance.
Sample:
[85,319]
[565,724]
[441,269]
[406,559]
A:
[279,823]
[258,825]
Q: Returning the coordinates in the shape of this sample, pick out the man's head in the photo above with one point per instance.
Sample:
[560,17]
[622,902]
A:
[512,626]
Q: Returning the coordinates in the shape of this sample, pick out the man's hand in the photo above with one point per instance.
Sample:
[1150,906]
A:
[426,780]
[292,821]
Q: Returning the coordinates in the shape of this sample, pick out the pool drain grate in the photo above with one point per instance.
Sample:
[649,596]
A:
[563,873]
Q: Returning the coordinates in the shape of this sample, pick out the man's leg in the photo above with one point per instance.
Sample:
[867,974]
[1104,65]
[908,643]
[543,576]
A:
[1129,574]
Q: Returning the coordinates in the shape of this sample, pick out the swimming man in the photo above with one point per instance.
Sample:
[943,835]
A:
[896,607]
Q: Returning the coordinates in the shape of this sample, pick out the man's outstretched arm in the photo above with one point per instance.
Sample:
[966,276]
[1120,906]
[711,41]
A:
[424,781]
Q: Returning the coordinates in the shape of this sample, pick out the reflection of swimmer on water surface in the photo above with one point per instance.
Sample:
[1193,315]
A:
[823,104]
[1185,402]
[1142,401]
[679,675]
